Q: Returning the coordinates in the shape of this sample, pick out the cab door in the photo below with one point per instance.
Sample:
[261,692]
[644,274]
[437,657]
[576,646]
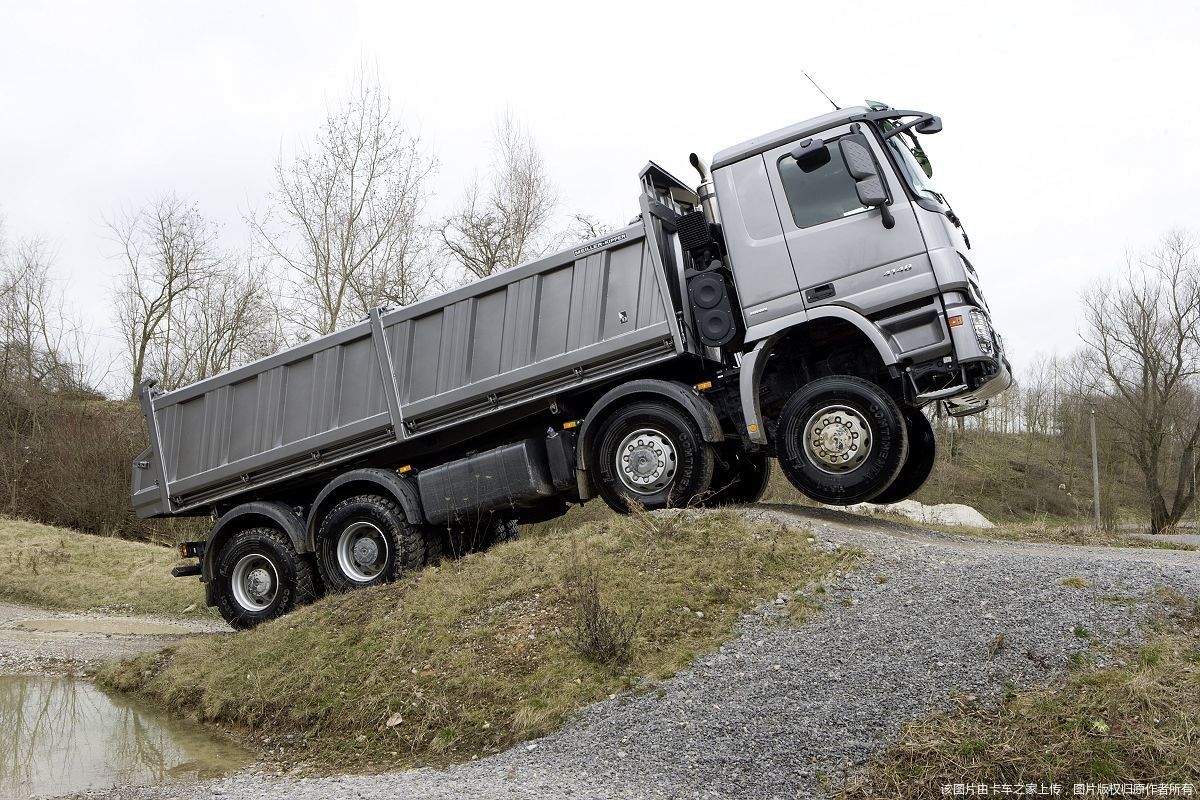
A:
[840,251]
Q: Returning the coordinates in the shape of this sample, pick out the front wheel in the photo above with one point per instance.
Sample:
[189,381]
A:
[742,478]
[258,576]
[841,440]
[651,454]
[922,452]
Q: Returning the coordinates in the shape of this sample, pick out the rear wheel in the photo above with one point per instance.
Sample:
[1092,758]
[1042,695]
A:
[742,478]
[478,533]
[435,545]
[922,452]
[366,540]
[841,440]
[258,576]
[651,454]
[502,529]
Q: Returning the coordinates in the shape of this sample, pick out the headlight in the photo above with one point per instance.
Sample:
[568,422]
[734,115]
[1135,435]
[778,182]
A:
[983,332]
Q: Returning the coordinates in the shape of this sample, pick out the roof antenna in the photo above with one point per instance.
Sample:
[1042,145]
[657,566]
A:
[822,91]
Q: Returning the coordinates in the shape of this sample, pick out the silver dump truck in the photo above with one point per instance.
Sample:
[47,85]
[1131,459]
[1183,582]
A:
[804,303]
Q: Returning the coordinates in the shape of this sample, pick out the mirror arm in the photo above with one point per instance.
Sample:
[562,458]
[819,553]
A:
[889,221]
[906,126]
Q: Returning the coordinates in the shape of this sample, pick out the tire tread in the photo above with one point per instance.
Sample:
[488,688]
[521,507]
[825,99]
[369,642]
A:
[827,490]
[303,591]
[408,540]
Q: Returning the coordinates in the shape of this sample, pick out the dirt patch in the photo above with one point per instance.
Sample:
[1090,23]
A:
[109,626]
[33,640]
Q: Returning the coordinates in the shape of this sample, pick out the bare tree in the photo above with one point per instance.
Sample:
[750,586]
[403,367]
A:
[224,322]
[507,221]
[585,226]
[170,251]
[345,216]
[41,343]
[1144,334]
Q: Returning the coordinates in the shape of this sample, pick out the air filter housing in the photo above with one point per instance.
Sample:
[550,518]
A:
[693,230]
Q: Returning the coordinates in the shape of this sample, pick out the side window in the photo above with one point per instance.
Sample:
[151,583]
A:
[823,195]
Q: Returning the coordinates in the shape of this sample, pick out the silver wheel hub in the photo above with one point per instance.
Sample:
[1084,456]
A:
[837,439]
[365,552]
[255,582]
[646,461]
[362,551]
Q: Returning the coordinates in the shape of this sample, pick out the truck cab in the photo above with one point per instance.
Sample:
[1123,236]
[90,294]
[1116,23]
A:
[804,247]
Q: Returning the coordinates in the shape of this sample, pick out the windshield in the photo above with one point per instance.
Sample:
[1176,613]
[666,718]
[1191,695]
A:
[915,165]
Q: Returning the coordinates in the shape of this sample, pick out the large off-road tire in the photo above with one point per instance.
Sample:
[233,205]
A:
[480,533]
[435,545]
[741,479]
[366,540]
[258,576]
[502,529]
[922,452]
[841,440]
[652,454]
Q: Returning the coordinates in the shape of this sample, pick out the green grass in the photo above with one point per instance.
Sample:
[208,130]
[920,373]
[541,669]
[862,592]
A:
[1117,724]
[1057,532]
[61,569]
[473,656]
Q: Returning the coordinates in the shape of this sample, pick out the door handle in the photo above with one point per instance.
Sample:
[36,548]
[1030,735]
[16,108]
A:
[822,292]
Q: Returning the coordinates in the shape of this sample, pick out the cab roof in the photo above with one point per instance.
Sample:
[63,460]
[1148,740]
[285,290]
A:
[767,141]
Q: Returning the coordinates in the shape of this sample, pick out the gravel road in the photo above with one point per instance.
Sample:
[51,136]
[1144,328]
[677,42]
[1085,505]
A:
[783,710]
[37,641]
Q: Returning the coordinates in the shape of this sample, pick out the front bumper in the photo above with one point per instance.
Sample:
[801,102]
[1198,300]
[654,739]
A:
[970,371]
[979,352]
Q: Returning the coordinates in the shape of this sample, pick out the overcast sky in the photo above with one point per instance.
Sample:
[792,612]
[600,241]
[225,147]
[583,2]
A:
[1072,130]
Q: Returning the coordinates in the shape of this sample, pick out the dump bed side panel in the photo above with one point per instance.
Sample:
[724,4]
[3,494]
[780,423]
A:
[571,319]
[528,335]
[303,404]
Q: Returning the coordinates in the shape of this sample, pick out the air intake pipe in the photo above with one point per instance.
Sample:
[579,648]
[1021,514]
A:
[706,190]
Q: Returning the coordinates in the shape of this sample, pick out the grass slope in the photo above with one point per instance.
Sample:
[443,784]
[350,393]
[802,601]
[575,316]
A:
[470,657]
[1136,722]
[69,571]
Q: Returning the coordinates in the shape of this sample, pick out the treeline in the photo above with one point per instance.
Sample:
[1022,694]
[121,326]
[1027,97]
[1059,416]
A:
[345,229]
[1138,370]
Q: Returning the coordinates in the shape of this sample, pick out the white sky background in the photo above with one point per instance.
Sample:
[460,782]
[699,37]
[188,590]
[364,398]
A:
[1072,130]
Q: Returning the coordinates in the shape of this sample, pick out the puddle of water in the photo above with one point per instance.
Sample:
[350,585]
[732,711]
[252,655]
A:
[117,627]
[59,735]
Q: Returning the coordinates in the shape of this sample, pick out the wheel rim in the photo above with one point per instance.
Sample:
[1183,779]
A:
[362,551]
[837,439]
[646,461]
[255,582]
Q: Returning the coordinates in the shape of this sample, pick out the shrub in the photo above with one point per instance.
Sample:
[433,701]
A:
[65,460]
[598,632]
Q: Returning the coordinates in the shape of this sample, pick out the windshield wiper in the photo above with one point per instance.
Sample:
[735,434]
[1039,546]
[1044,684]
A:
[950,215]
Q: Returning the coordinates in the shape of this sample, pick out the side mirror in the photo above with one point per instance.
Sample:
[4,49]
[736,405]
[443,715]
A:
[931,125]
[811,155]
[856,153]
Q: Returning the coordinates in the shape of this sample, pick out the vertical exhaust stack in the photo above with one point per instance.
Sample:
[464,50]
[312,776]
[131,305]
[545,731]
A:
[706,190]
[711,292]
